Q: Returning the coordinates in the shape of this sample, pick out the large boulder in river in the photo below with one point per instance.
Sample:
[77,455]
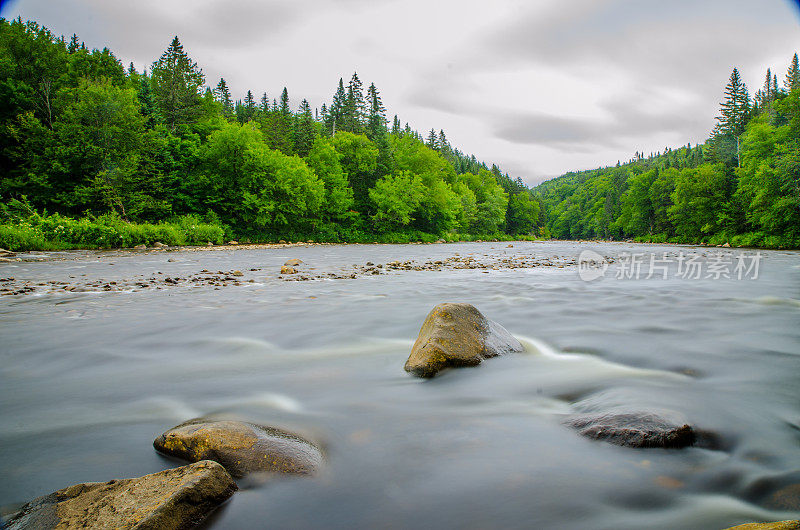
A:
[241,447]
[457,335]
[173,499]
[633,429]
[294,262]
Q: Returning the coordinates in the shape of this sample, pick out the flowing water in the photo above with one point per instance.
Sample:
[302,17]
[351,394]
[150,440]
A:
[89,379]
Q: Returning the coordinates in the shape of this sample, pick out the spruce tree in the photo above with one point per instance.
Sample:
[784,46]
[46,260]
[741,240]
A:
[177,84]
[354,106]
[336,111]
[305,130]
[396,129]
[433,140]
[284,108]
[735,109]
[264,108]
[223,95]
[792,81]
[249,106]
[376,123]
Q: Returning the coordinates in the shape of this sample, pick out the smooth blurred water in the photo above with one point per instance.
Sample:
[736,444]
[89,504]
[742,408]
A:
[88,380]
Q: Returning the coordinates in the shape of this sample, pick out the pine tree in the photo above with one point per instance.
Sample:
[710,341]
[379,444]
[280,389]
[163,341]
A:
[433,140]
[376,123]
[766,94]
[396,128]
[305,130]
[284,108]
[177,82]
[336,111]
[223,95]
[444,145]
[264,108]
[249,106]
[792,81]
[355,108]
[735,109]
[145,95]
[73,44]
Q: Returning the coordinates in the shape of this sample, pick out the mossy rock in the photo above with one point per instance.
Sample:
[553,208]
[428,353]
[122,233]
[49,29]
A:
[174,499]
[243,448]
[454,335]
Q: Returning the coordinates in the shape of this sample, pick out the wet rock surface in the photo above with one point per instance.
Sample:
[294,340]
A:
[633,429]
[242,448]
[177,498]
[778,525]
[455,334]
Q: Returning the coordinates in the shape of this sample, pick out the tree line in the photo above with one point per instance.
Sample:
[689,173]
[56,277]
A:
[85,137]
[742,186]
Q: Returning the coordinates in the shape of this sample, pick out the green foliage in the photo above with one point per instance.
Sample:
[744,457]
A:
[396,197]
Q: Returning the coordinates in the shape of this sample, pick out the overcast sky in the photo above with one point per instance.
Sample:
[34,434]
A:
[540,87]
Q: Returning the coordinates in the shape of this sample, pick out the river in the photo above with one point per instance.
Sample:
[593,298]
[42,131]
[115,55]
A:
[89,379]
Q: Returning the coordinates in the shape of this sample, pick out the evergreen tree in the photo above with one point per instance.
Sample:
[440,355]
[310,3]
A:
[249,106]
[376,123]
[264,108]
[145,95]
[396,128]
[223,95]
[305,130]
[792,81]
[284,108]
[735,109]
[355,108]
[336,111]
[177,82]
[73,44]
[433,140]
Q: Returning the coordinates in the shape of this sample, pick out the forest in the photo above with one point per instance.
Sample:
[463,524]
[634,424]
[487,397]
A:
[97,154]
[741,187]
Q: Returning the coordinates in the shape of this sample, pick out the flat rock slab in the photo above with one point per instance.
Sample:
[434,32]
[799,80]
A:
[169,500]
[457,335]
[633,429]
[242,448]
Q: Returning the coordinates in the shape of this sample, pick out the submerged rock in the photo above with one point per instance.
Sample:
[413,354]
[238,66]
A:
[779,525]
[173,499]
[454,335]
[241,447]
[633,429]
[288,270]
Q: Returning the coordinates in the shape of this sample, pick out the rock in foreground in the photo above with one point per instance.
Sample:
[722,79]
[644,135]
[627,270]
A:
[172,499]
[241,447]
[457,335]
[635,429]
[780,525]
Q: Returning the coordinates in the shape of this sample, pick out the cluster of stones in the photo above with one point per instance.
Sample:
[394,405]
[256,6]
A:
[180,498]
[292,270]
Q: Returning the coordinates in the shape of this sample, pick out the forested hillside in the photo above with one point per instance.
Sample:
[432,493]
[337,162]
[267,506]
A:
[85,137]
[742,186]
